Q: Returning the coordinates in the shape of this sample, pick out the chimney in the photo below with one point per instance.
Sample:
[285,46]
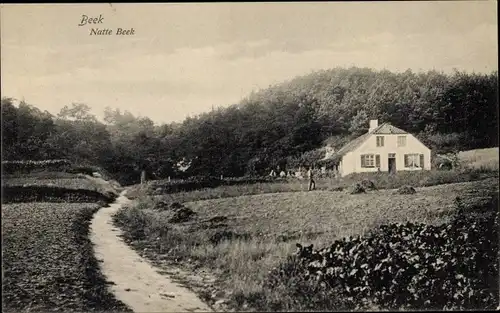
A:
[373,125]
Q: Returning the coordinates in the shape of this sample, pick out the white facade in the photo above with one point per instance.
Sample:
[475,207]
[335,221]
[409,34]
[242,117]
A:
[391,150]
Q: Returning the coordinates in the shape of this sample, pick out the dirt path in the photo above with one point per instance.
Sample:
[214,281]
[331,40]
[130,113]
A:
[136,282]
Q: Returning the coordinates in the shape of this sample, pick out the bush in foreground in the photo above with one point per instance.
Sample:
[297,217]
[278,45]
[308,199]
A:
[241,266]
[400,266]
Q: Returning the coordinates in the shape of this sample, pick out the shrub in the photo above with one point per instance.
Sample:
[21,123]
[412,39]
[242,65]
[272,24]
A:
[406,190]
[181,214]
[356,189]
[368,184]
[26,166]
[158,206]
[400,266]
[135,220]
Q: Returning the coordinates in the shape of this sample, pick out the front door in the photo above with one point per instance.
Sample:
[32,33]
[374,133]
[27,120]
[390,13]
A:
[392,163]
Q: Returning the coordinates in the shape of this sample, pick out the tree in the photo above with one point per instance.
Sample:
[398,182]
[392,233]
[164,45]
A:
[25,131]
[77,112]
[80,136]
[359,123]
[276,126]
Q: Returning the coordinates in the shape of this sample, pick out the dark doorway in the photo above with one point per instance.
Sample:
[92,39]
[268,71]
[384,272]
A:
[392,163]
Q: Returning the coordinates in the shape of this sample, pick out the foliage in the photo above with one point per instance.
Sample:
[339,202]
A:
[271,128]
[306,159]
[403,266]
[26,132]
[26,166]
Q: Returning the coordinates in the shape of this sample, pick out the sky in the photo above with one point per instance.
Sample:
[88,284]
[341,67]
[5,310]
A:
[185,58]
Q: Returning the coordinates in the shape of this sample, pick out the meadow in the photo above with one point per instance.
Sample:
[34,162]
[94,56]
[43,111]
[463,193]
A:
[229,243]
[240,239]
[480,158]
[381,181]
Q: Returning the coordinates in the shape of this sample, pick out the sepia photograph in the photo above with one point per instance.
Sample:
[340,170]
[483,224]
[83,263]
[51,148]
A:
[250,156]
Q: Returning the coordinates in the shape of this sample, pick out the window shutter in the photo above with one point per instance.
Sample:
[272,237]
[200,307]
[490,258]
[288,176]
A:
[377,160]
[406,161]
[362,161]
[421,161]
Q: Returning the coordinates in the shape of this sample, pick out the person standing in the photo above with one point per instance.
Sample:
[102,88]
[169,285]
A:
[312,183]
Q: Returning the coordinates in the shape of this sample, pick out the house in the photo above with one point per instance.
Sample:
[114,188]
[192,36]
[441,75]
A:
[383,148]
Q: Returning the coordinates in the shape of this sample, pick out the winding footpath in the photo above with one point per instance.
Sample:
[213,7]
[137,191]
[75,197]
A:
[136,282]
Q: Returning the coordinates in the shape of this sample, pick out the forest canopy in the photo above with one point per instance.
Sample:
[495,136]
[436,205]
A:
[273,127]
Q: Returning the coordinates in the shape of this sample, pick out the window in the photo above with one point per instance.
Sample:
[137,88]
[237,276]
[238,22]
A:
[401,141]
[367,160]
[380,141]
[414,160]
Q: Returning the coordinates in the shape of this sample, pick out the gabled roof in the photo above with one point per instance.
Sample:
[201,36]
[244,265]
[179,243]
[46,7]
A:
[388,129]
[384,129]
[351,145]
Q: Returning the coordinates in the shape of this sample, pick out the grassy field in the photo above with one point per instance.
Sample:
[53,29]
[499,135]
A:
[476,165]
[48,261]
[380,180]
[480,158]
[261,230]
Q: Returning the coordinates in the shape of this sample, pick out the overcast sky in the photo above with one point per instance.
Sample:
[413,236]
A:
[185,58]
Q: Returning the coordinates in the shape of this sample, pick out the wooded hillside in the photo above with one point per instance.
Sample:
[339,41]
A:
[271,127]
